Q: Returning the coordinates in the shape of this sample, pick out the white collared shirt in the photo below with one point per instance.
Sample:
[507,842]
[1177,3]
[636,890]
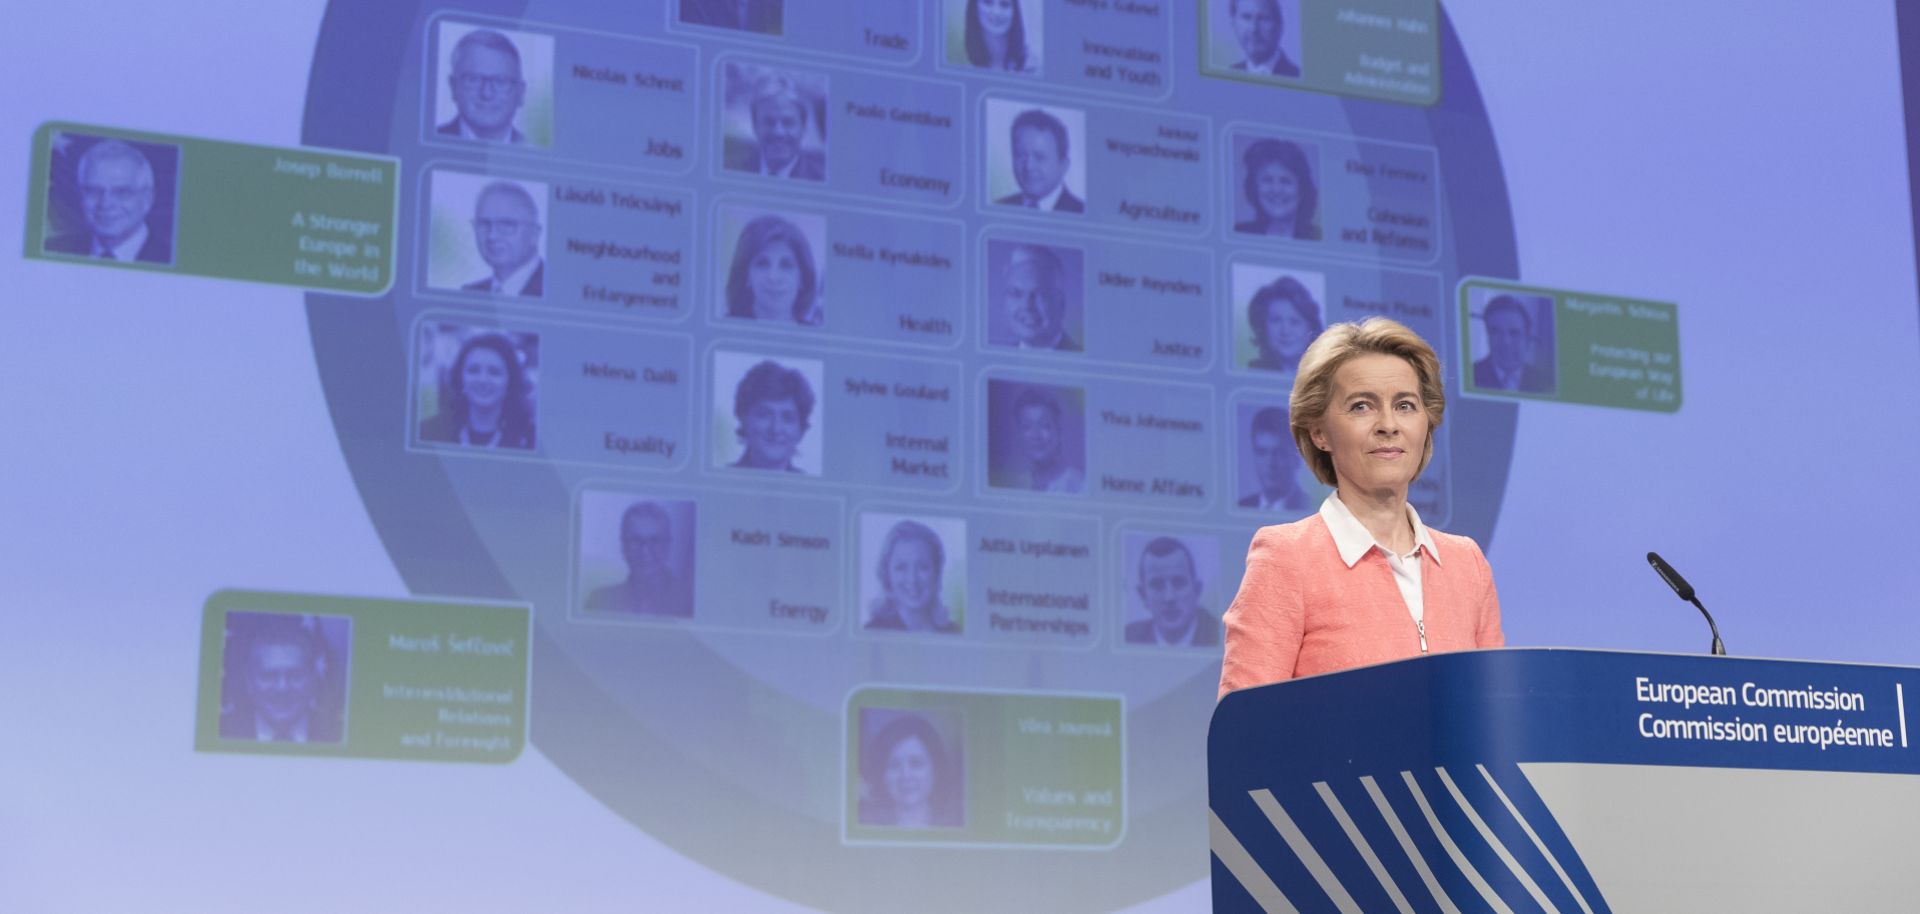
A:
[1051,200]
[1505,380]
[466,133]
[1186,640]
[516,281]
[784,171]
[1354,541]
[128,250]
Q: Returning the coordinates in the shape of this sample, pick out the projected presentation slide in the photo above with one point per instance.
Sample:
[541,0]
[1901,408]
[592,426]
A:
[825,437]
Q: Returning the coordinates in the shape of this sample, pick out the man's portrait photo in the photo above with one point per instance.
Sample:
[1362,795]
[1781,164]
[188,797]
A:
[1514,347]
[477,386]
[911,770]
[1256,38]
[1270,464]
[759,16]
[1036,437]
[1030,156]
[1167,590]
[111,199]
[283,678]
[768,414]
[636,555]
[488,235]
[774,122]
[913,574]
[496,86]
[1277,314]
[1035,296]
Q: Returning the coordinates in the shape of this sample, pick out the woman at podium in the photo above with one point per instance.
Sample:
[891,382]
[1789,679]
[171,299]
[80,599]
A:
[1361,581]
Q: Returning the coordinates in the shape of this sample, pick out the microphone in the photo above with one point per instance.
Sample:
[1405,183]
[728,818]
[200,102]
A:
[1685,590]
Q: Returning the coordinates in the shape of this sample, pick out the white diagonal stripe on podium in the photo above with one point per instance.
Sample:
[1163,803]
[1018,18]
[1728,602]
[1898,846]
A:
[1533,836]
[1303,849]
[1506,856]
[1406,846]
[1460,860]
[1360,844]
[1243,867]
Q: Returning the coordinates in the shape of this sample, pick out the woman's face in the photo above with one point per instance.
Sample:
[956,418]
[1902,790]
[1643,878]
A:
[912,577]
[1276,191]
[996,16]
[1287,332]
[1376,426]
[773,276]
[771,430]
[483,378]
[910,773]
[1039,434]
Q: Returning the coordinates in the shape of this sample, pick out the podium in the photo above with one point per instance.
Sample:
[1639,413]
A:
[1572,781]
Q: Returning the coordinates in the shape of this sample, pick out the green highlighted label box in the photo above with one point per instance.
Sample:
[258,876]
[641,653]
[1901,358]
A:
[1531,343]
[313,218]
[422,680]
[999,769]
[1381,49]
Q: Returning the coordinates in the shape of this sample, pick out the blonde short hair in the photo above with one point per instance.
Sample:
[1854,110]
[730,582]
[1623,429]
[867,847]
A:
[1340,343]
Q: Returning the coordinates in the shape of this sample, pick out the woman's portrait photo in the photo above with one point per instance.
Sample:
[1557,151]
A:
[772,273]
[912,581]
[477,386]
[1279,196]
[1036,437]
[767,413]
[1280,315]
[1002,36]
[911,769]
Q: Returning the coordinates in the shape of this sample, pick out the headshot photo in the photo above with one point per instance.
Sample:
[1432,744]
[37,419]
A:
[477,386]
[1035,296]
[912,770]
[767,413]
[283,678]
[636,555]
[496,86]
[111,199]
[1001,36]
[913,574]
[1514,347]
[759,16]
[488,235]
[1278,195]
[772,271]
[1279,314]
[1030,156]
[1036,437]
[1168,591]
[1270,465]
[774,122]
[1255,38]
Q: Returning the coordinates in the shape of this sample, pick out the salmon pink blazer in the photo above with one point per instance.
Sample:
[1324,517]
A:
[1301,611]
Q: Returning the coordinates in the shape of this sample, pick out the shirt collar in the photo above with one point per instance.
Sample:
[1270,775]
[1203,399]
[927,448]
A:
[516,281]
[783,171]
[1051,200]
[128,250]
[1354,541]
